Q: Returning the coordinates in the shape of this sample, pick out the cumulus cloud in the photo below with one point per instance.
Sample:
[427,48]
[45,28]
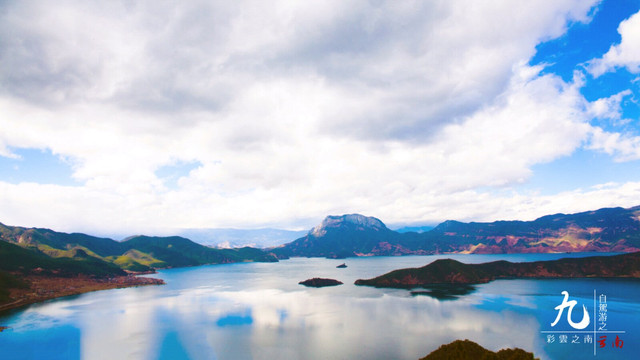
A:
[624,147]
[609,107]
[625,54]
[292,111]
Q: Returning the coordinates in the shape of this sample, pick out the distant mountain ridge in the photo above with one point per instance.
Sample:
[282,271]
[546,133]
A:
[233,238]
[607,230]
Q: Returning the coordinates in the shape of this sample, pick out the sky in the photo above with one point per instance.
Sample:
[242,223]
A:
[149,116]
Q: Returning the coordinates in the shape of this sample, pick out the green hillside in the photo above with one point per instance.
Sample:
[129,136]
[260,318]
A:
[135,260]
[17,259]
[177,251]
[248,254]
[57,240]
[139,253]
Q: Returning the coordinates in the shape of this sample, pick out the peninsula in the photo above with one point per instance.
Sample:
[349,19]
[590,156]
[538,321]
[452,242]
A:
[448,271]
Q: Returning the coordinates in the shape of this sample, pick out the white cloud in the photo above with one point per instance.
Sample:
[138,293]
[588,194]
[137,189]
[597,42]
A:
[609,107]
[624,147]
[625,54]
[406,111]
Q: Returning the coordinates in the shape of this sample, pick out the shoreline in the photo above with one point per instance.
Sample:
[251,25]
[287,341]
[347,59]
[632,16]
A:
[42,288]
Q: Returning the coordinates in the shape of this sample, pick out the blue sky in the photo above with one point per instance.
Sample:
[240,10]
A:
[582,43]
[35,165]
[571,52]
[148,117]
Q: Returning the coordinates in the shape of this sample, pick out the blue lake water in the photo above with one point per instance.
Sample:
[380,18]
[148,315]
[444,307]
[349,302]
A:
[258,311]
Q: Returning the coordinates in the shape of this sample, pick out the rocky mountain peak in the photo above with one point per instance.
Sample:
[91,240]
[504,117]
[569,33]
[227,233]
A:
[356,221]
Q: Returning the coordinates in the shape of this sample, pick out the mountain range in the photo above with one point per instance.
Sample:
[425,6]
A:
[137,253]
[606,230]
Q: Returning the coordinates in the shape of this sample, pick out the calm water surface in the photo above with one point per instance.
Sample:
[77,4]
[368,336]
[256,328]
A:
[258,311]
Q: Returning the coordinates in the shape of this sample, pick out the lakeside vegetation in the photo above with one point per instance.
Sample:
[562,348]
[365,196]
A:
[469,350]
[27,276]
[137,253]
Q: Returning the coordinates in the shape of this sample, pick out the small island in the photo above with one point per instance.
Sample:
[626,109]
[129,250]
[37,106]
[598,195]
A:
[341,266]
[469,350]
[448,271]
[320,282]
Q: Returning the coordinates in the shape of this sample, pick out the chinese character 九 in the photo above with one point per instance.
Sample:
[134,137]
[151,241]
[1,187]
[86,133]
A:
[570,304]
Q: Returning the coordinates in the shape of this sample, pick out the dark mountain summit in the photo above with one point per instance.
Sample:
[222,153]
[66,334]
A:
[344,236]
[351,221]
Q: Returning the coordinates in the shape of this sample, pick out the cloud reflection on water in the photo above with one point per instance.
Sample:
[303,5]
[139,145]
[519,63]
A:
[317,325]
[223,312]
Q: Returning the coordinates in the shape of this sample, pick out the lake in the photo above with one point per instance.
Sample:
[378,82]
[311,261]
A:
[258,311]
